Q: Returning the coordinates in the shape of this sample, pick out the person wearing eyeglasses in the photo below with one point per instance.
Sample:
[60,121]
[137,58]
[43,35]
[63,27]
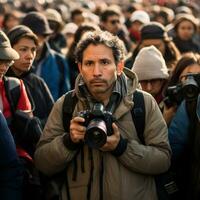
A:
[152,72]
[110,20]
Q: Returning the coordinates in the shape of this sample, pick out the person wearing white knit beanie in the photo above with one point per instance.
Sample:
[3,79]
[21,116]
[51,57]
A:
[152,71]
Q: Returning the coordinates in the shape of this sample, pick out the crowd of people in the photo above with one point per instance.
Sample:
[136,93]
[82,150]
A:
[71,76]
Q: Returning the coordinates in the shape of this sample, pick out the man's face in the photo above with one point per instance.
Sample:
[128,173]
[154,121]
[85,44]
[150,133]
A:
[158,43]
[153,86]
[99,70]
[26,49]
[112,24]
[78,19]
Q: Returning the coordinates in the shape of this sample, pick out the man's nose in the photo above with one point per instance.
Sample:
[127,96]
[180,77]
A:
[148,86]
[30,54]
[97,70]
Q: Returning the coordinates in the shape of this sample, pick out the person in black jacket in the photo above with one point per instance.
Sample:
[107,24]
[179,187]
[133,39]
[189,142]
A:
[25,42]
[11,170]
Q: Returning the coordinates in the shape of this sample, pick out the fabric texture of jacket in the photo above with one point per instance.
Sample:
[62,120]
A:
[126,177]
[39,92]
[54,69]
[178,131]
[23,103]
[11,170]
[186,46]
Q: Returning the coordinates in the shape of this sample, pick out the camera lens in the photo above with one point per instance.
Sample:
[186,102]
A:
[191,92]
[96,133]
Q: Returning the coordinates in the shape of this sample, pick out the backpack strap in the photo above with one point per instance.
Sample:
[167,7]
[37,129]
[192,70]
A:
[69,104]
[138,114]
[12,89]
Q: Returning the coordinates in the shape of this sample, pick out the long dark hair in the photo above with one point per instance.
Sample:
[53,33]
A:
[171,54]
[185,61]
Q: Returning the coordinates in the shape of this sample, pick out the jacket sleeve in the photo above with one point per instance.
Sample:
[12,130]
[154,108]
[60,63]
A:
[51,155]
[153,157]
[24,102]
[11,173]
[178,131]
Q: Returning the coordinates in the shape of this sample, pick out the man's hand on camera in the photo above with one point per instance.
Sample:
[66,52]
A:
[113,140]
[77,130]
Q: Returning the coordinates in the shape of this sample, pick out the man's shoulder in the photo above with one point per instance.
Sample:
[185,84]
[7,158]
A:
[34,78]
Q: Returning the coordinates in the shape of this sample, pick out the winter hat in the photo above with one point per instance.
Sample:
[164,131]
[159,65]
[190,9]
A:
[70,28]
[150,64]
[37,22]
[19,32]
[183,16]
[141,16]
[53,15]
[6,51]
[153,30]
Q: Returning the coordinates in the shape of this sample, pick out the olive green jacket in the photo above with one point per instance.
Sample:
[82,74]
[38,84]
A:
[126,177]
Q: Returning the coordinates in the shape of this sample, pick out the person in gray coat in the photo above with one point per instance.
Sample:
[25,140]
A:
[121,167]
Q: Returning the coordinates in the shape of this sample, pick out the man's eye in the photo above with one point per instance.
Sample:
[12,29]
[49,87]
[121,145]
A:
[23,49]
[105,62]
[88,63]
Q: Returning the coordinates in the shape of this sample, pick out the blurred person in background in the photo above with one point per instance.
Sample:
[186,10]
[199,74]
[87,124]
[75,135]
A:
[48,64]
[56,39]
[69,31]
[155,34]
[77,16]
[185,28]
[12,18]
[188,63]
[162,14]
[184,130]
[110,20]
[152,72]
[137,19]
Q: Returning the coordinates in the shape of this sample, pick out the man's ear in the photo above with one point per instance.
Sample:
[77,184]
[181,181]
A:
[120,67]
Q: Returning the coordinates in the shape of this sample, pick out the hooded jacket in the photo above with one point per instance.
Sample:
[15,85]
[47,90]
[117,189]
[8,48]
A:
[91,172]
[38,92]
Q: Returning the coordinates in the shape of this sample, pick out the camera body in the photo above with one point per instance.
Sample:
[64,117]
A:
[189,90]
[98,123]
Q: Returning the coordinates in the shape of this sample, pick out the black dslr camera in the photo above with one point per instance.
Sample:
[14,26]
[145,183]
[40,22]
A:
[189,90]
[98,124]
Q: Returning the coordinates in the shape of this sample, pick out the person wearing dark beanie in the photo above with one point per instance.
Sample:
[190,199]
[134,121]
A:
[154,33]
